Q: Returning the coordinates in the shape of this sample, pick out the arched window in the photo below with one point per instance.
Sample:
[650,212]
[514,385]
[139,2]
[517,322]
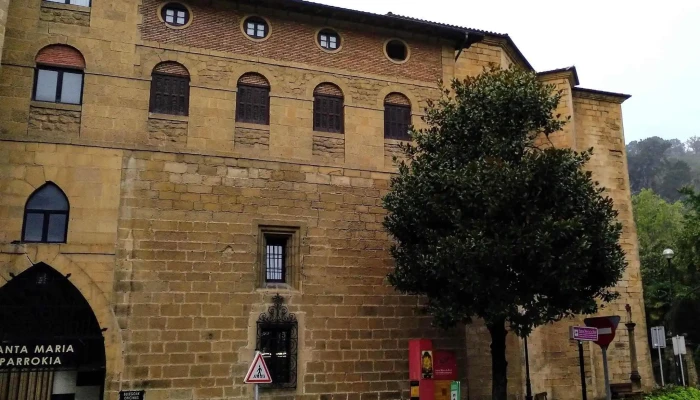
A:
[328,108]
[253,99]
[170,89]
[59,75]
[46,215]
[397,116]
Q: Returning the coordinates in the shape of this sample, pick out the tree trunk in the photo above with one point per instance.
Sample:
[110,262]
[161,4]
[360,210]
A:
[499,365]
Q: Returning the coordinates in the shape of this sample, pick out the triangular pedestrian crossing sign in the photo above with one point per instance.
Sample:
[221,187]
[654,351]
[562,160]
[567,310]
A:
[258,372]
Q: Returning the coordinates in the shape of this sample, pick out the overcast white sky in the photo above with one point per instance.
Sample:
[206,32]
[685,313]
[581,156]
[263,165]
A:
[650,50]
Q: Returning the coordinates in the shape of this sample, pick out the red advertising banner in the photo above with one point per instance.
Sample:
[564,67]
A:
[444,365]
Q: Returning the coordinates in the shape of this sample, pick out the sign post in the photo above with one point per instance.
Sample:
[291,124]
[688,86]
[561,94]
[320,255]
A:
[679,350]
[258,372]
[581,334]
[658,342]
[606,333]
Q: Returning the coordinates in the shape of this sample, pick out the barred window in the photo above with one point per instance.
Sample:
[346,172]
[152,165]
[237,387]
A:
[170,89]
[277,341]
[275,261]
[253,99]
[279,256]
[328,108]
[46,215]
[397,116]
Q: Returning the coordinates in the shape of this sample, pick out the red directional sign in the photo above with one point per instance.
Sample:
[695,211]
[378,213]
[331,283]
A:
[606,328]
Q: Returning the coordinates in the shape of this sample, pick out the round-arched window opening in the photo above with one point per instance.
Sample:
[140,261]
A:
[396,50]
[175,14]
[256,28]
[329,39]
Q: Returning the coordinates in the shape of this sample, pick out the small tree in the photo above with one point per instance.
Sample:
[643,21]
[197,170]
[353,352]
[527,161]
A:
[489,225]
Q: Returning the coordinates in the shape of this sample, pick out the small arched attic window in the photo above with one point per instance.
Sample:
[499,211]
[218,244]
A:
[46,215]
[253,99]
[397,116]
[328,108]
[170,89]
[59,75]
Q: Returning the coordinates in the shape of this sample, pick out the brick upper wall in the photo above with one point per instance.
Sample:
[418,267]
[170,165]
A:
[60,55]
[291,41]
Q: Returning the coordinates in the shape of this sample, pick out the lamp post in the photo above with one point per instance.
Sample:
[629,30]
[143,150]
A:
[668,254]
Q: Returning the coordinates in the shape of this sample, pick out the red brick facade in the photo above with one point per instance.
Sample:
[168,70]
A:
[171,68]
[216,28]
[60,55]
[328,89]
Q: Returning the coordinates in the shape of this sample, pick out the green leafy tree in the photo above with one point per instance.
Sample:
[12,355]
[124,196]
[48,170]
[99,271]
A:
[659,226]
[487,224]
[645,159]
[693,144]
[675,175]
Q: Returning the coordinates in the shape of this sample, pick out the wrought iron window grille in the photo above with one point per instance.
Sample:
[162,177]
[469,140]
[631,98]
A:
[277,340]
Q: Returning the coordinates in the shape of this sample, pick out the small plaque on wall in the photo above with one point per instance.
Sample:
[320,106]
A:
[131,394]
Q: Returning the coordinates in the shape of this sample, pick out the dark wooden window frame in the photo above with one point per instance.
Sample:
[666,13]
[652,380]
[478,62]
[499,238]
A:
[257,21]
[59,82]
[392,128]
[155,108]
[47,217]
[334,108]
[245,104]
[175,7]
[328,33]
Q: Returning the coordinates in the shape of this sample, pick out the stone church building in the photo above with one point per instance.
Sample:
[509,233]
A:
[184,182]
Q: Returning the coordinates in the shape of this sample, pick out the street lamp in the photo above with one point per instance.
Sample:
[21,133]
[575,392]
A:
[668,254]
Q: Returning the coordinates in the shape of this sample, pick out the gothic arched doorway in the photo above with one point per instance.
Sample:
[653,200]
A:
[51,345]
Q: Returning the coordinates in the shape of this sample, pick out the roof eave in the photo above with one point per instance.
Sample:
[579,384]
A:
[601,95]
[389,21]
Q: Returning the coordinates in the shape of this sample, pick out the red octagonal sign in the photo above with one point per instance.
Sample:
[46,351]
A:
[606,328]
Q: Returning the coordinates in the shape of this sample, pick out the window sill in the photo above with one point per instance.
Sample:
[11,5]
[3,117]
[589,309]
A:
[69,7]
[334,135]
[251,125]
[169,117]
[56,106]
[277,287]
[397,141]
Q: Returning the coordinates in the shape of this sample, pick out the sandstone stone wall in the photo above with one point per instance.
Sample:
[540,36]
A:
[65,14]
[60,121]
[256,140]
[4,5]
[187,298]
[166,132]
[329,147]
